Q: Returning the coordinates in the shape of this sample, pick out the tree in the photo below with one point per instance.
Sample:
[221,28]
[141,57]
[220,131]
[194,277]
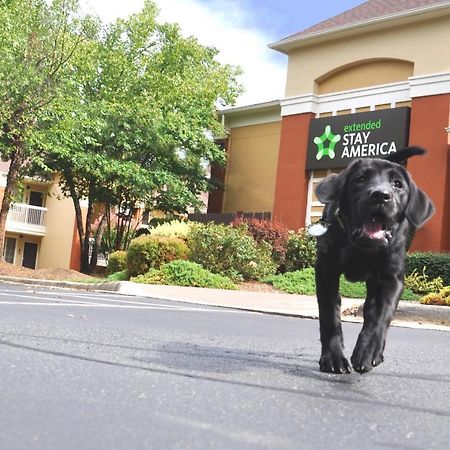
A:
[136,122]
[37,40]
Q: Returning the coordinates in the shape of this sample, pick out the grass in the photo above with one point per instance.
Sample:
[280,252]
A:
[87,280]
[303,282]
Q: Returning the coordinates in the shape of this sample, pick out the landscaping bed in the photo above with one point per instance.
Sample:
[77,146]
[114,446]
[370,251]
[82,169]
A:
[9,270]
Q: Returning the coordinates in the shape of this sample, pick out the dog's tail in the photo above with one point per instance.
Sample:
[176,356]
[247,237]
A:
[402,155]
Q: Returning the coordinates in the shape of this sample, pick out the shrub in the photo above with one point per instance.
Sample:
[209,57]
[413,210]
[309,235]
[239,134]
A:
[185,273]
[153,276]
[175,228]
[116,262]
[437,264]
[421,284]
[297,282]
[445,291]
[146,252]
[118,276]
[275,234]
[230,251]
[300,251]
[440,298]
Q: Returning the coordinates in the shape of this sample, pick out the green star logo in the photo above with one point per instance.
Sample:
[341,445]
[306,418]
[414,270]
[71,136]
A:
[320,141]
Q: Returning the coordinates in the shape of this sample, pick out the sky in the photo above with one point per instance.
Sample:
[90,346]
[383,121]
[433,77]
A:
[240,29]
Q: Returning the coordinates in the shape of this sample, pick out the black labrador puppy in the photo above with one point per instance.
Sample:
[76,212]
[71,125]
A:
[372,209]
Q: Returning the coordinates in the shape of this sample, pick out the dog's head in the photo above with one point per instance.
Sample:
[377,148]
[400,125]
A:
[375,196]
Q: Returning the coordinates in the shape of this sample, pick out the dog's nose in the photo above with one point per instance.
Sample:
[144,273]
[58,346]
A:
[380,197]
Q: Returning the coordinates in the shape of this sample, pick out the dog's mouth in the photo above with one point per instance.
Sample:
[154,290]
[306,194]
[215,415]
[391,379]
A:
[375,228]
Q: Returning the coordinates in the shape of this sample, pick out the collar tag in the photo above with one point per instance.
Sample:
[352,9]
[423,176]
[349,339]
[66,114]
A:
[318,229]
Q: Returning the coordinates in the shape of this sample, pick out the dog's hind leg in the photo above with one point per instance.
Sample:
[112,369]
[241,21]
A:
[383,294]
[327,285]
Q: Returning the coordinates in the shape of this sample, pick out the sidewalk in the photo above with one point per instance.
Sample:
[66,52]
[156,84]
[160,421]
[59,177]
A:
[408,314]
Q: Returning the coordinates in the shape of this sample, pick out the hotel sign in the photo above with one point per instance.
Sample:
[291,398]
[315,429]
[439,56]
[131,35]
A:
[336,141]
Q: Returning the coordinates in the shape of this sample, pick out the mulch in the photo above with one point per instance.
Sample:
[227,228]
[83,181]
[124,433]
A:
[9,270]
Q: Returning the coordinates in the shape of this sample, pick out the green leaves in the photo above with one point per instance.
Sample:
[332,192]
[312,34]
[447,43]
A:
[126,113]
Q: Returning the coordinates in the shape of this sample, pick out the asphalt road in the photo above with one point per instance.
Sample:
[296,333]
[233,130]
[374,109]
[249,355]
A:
[101,371]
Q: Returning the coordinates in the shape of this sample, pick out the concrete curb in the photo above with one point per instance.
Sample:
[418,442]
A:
[264,302]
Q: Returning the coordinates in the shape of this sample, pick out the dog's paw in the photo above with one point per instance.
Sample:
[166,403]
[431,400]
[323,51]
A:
[334,362]
[368,352]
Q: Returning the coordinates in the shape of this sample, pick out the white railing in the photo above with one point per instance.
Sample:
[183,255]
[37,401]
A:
[25,218]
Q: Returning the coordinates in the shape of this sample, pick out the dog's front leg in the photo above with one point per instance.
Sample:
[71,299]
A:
[383,294]
[327,287]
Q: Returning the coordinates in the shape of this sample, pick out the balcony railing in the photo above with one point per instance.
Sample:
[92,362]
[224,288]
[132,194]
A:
[23,218]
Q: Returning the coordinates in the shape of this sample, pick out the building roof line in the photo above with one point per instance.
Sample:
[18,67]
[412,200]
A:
[255,106]
[285,44]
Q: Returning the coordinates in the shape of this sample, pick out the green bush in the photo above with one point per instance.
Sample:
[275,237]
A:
[230,251]
[421,283]
[174,228]
[147,252]
[303,282]
[297,282]
[153,276]
[116,262]
[118,276]
[300,251]
[275,234]
[185,273]
[437,265]
[445,291]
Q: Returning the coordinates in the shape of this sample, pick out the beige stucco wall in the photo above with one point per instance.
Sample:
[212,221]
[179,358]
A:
[251,168]
[20,243]
[363,74]
[421,43]
[56,246]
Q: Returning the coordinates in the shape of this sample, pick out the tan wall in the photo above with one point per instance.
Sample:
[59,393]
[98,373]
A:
[422,43]
[20,243]
[365,73]
[251,168]
[56,245]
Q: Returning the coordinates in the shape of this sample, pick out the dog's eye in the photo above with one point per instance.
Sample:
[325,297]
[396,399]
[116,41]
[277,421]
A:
[361,179]
[397,184]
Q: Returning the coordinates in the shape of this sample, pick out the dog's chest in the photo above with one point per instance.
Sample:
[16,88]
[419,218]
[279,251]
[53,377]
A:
[357,265]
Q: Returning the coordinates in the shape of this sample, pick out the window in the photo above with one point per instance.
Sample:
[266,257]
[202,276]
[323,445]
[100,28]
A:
[314,208]
[10,249]
[36,198]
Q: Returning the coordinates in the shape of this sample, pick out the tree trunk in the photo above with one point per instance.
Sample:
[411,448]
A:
[97,241]
[78,219]
[17,158]
[85,244]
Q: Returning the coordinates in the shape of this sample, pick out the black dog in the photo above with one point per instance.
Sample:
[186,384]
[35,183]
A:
[372,209]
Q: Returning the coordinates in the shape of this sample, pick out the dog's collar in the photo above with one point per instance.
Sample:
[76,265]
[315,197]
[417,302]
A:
[321,228]
[339,219]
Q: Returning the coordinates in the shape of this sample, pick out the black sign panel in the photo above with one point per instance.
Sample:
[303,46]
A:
[336,141]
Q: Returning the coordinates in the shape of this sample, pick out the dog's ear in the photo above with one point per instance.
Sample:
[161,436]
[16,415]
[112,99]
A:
[331,188]
[420,208]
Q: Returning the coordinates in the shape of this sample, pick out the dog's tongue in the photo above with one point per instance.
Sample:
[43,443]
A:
[374,229]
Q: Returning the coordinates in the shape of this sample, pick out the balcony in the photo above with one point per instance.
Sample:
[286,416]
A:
[26,219]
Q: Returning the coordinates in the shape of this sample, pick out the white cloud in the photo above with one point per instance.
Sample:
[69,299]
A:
[264,75]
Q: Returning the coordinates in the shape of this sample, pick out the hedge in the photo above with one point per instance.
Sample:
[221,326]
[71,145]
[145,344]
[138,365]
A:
[185,273]
[147,252]
[437,265]
[230,251]
[116,262]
